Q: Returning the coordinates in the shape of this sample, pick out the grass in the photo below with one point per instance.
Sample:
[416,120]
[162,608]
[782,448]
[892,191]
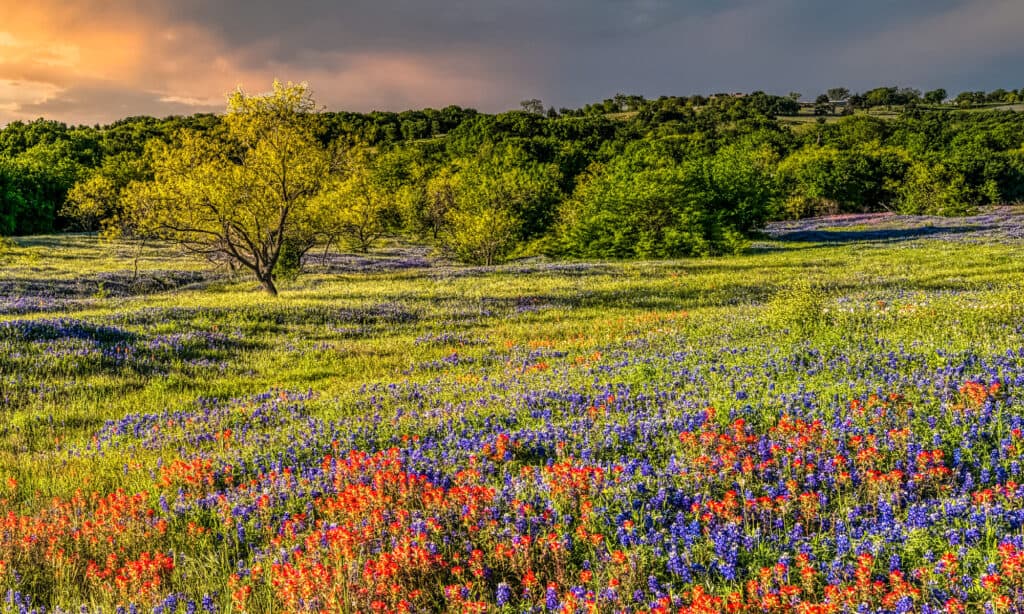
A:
[107,391]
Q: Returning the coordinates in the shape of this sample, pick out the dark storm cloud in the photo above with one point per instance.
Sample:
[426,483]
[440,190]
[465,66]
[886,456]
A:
[394,54]
[579,50]
[415,25]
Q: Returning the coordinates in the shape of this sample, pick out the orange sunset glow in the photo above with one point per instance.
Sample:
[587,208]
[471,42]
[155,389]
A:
[85,62]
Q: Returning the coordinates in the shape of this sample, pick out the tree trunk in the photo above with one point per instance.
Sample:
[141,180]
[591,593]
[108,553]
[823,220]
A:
[267,281]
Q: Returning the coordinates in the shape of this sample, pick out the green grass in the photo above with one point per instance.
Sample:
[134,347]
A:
[526,326]
[583,308]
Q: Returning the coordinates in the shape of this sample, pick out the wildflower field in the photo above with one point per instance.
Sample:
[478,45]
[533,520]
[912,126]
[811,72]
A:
[831,423]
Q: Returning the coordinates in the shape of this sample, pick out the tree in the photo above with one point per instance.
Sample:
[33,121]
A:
[837,94]
[880,96]
[533,105]
[625,102]
[967,99]
[908,96]
[934,189]
[244,197]
[743,189]
[830,180]
[34,183]
[499,199]
[93,202]
[96,201]
[403,176]
[361,207]
[936,96]
[646,203]
[435,215]
[996,95]
[483,234]
[13,202]
[823,105]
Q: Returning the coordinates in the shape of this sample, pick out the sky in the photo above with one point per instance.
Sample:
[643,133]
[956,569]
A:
[95,61]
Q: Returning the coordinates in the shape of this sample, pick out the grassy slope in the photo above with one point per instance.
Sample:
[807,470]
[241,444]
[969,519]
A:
[582,308]
[531,326]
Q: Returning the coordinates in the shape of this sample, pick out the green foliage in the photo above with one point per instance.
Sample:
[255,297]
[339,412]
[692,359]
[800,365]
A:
[482,235]
[744,186]
[625,177]
[96,201]
[934,189]
[495,200]
[241,198]
[837,93]
[636,206]
[289,260]
[33,185]
[822,180]
[14,206]
[362,206]
[936,96]
[1012,180]
[7,246]
[825,179]
[405,172]
[93,201]
[101,291]
[430,215]
[649,204]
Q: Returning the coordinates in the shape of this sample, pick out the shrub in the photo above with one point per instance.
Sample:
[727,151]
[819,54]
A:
[646,204]
[934,189]
[799,307]
[289,260]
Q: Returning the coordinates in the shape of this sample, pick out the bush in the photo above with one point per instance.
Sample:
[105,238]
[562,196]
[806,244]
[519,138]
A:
[646,204]
[482,235]
[289,260]
[798,307]
[6,245]
[934,190]
[500,200]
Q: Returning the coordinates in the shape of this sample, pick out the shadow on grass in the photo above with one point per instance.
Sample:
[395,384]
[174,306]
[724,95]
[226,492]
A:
[888,235]
[112,283]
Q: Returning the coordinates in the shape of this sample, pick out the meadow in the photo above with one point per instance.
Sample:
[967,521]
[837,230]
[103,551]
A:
[829,423]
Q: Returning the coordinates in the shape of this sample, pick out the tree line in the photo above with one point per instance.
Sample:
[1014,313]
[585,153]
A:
[634,178]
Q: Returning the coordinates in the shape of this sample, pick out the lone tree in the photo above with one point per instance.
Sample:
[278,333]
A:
[244,197]
[837,94]
[936,96]
[533,105]
[823,105]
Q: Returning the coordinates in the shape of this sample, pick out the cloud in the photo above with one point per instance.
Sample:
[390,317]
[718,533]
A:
[19,93]
[964,37]
[98,60]
[153,59]
[97,103]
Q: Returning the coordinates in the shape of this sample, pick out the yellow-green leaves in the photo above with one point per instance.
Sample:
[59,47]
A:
[254,119]
[495,201]
[243,197]
[356,208]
